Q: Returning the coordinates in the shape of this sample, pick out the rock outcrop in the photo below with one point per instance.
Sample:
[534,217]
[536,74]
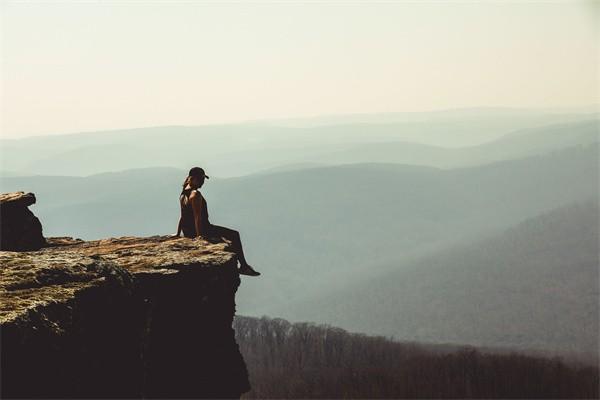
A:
[20,229]
[122,317]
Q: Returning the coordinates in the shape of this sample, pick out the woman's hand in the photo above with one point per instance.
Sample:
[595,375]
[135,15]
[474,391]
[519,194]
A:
[178,228]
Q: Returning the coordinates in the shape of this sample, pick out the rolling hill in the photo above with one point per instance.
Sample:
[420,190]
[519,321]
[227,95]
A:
[532,286]
[513,145]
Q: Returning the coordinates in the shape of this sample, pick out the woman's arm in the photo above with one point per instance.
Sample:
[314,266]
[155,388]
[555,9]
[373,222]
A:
[178,228]
[197,207]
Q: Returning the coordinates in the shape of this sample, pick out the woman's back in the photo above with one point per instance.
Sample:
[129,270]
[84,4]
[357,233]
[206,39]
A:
[188,225]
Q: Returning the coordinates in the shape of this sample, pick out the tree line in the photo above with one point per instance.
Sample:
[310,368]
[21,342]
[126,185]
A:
[306,360]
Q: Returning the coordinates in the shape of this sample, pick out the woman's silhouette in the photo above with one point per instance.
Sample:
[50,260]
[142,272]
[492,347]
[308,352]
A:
[194,218]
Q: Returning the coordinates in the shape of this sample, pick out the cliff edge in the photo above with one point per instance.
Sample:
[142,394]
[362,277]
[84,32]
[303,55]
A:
[124,317]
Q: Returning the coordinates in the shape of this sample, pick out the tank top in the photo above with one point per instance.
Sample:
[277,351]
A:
[187,214]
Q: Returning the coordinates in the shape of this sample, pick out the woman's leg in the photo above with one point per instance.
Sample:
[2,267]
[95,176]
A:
[236,242]
[234,237]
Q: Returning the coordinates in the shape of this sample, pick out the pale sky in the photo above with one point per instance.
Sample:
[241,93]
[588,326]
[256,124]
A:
[81,66]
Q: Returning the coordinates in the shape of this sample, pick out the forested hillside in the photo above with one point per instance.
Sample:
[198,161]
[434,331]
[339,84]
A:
[305,360]
[533,286]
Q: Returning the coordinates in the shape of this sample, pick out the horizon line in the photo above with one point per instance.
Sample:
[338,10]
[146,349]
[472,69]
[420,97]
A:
[584,110]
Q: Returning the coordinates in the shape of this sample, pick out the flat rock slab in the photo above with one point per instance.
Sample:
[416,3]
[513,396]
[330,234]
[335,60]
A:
[20,199]
[56,273]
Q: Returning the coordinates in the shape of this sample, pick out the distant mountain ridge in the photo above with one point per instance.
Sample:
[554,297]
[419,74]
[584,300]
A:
[514,145]
[235,150]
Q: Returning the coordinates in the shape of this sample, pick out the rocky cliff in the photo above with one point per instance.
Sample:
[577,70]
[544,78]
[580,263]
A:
[19,229]
[121,317]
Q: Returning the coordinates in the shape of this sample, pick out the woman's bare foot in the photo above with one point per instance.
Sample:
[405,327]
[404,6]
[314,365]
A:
[246,269]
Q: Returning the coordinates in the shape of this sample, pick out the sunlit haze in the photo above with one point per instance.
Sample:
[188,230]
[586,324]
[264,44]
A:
[80,66]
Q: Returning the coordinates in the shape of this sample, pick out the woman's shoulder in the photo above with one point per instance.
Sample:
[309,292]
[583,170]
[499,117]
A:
[195,193]
[189,193]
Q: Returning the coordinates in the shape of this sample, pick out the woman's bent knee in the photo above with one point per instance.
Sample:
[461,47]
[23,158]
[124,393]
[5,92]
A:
[224,231]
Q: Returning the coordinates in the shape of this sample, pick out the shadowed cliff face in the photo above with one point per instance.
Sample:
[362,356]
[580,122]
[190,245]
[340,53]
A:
[121,317]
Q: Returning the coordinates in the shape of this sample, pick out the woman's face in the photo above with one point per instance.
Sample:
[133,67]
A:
[196,181]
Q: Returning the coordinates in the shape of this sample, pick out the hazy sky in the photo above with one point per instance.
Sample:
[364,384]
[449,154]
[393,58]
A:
[76,66]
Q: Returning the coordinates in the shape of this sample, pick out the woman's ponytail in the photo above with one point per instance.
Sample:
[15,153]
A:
[185,183]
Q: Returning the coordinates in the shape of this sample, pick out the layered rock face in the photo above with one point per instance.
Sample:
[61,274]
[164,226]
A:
[122,317]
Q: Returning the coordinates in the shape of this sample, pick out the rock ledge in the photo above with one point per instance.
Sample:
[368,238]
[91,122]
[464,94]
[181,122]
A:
[127,317]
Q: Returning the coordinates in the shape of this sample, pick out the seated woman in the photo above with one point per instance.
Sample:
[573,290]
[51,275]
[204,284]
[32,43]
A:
[194,218]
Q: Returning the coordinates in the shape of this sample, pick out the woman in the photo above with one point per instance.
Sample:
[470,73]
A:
[194,218]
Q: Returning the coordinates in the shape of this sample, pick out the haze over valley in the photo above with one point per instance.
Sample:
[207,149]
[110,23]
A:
[369,222]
